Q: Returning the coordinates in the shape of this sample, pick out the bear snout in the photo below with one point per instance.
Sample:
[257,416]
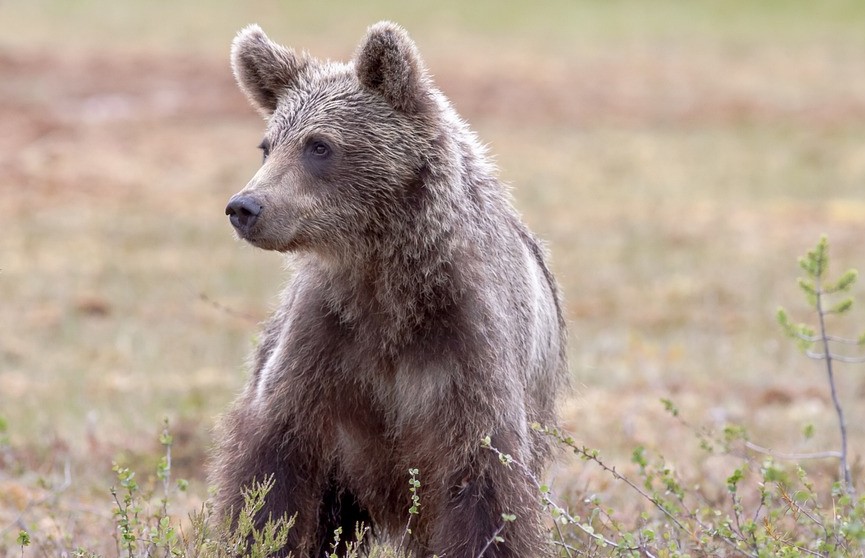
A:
[243,212]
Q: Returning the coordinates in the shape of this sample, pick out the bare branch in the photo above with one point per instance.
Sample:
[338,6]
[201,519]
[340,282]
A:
[830,374]
[793,456]
[833,338]
[226,310]
[832,356]
[848,359]
[491,540]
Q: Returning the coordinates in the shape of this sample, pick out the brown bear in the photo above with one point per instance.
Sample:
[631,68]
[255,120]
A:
[420,318]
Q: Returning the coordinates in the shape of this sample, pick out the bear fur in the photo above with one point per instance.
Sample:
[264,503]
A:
[421,316]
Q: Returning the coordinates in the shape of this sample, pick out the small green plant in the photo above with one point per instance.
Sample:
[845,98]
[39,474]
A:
[767,505]
[818,343]
[352,549]
[144,526]
[221,539]
[414,509]
[4,432]
[140,532]
[23,540]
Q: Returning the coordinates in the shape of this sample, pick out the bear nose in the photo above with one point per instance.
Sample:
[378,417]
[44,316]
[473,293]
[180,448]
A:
[243,212]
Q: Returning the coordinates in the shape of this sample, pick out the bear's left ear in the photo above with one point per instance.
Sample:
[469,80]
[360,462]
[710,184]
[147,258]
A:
[387,61]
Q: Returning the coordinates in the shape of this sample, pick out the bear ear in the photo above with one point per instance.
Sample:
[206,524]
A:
[262,68]
[387,61]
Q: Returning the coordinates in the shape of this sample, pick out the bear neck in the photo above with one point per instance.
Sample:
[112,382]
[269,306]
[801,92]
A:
[409,274]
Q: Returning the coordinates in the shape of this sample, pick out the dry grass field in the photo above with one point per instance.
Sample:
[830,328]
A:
[677,157]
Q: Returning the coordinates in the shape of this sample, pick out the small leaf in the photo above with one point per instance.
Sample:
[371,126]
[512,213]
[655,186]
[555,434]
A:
[807,265]
[670,407]
[816,261]
[784,321]
[807,286]
[842,306]
[844,282]
[733,480]
[639,456]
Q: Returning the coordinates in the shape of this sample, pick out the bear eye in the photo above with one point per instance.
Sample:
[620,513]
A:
[319,156]
[265,150]
[318,149]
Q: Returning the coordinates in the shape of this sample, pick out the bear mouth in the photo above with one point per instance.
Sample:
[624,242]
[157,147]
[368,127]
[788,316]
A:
[278,232]
[286,241]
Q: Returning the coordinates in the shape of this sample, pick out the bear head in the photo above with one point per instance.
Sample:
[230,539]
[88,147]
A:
[346,144]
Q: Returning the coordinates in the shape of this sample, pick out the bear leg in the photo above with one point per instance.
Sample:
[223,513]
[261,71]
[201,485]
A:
[340,510]
[254,452]
[472,518]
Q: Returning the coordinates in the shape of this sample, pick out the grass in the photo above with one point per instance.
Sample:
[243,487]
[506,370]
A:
[675,155]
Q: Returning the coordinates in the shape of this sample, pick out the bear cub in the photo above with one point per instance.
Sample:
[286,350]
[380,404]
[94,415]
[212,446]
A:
[420,317]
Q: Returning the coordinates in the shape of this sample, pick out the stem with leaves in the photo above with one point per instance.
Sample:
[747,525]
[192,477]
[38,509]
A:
[817,289]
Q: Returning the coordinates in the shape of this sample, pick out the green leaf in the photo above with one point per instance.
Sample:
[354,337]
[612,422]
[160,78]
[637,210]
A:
[773,473]
[844,282]
[670,407]
[734,479]
[842,306]
[639,457]
[807,265]
[818,259]
[784,321]
[808,287]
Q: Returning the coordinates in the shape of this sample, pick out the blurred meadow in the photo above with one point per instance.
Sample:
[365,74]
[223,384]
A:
[676,156]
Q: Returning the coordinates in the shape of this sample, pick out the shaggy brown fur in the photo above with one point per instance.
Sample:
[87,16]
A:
[421,316]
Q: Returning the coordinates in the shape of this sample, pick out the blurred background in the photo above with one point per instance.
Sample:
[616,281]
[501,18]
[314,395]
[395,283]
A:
[676,156]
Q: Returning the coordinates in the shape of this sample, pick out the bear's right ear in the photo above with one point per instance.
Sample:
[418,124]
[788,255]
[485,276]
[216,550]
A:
[262,68]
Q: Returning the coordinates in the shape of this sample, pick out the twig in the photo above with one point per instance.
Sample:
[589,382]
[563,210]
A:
[562,538]
[796,508]
[491,540]
[507,459]
[616,475]
[832,338]
[832,356]
[590,456]
[792,456]
[568,548]
[842,423]
[227,310]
